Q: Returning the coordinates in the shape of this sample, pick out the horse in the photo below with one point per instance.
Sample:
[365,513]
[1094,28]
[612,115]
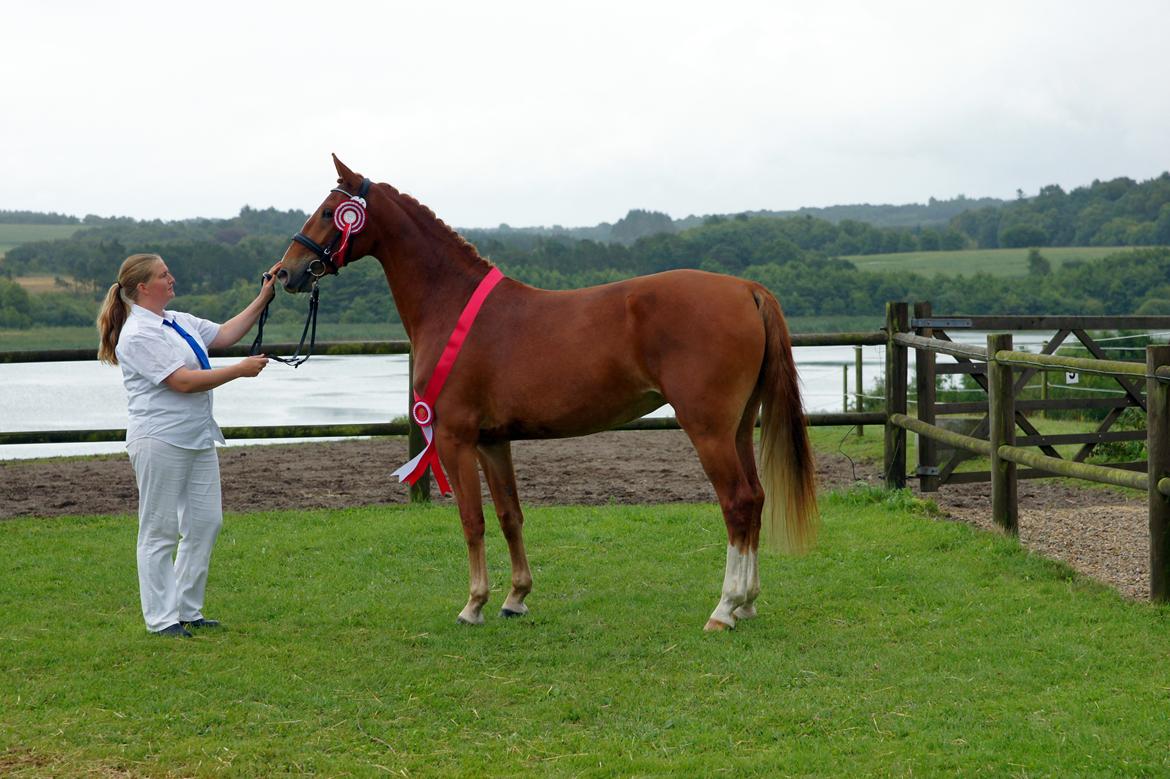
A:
[538,364]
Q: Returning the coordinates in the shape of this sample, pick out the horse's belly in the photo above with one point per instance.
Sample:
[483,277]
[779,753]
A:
[582,416]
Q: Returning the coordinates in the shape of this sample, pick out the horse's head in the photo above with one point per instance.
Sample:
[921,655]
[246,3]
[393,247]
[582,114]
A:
[329,235]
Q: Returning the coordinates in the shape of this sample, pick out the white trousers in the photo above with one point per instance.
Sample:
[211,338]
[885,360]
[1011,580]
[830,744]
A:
[180,512]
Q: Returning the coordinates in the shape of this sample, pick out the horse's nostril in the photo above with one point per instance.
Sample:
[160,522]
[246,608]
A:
[282,274]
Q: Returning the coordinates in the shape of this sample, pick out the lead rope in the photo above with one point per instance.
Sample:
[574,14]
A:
[296,360]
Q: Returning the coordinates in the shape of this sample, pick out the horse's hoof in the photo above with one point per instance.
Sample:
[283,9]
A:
[509,613]
[744,612]
[714,625]
[462,620]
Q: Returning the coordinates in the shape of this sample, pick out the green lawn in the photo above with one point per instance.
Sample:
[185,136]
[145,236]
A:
[997,262]
[15,234]
[290,332]
[902,645]
[39,338]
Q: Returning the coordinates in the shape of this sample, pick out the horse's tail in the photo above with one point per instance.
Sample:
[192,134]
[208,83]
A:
[787,469]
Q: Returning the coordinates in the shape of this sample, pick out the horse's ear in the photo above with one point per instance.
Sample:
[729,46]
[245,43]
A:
[344,174]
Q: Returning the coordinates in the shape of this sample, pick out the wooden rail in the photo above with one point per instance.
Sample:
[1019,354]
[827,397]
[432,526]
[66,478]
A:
[326,348]
[942,435]
[396,427]
[994,368]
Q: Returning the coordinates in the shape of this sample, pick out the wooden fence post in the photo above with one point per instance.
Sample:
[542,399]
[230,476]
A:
[1158,448]
[420,491]
[858,389]
[924,373]
[897,321]
[1002,431]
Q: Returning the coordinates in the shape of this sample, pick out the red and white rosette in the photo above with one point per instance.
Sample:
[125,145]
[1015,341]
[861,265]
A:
[424,417]
[349,218]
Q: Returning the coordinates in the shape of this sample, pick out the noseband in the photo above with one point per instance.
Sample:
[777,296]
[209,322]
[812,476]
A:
[349,218]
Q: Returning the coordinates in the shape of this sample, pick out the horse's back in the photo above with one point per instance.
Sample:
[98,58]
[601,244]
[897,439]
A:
[571,362]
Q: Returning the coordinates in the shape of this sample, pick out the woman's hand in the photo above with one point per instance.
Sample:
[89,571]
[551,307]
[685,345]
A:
[268,289]
[231,331]
[250,367]
[194,380]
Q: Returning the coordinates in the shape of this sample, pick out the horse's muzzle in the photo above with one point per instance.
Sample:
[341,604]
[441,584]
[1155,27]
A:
[293,283]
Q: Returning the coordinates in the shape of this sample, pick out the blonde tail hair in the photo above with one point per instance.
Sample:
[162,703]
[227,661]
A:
[136,269]
[787,469]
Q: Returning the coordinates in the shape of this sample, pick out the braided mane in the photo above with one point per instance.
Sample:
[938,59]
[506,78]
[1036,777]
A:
[432,224]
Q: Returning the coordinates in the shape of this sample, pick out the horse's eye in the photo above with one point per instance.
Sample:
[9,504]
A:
[327,213]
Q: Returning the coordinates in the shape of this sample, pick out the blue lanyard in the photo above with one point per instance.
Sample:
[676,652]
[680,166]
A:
[201,355]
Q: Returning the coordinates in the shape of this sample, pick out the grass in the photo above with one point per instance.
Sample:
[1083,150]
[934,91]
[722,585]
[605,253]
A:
[834,324]
[900,646]
[39,338]
[39,285]
[997,262]
[86,337]
[12,235]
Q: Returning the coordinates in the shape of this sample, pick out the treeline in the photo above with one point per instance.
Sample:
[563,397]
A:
[217,261]
[1120,212]
[53,218]
[209,255]
[36,218]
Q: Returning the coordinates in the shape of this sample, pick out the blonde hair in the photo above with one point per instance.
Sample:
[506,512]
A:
[136,269]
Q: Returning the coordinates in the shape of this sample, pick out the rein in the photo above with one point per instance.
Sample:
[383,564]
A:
[297,359]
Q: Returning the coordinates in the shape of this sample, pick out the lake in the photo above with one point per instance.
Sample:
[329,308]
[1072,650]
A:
[325,390]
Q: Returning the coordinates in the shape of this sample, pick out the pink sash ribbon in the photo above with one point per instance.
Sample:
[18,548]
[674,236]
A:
[423,409]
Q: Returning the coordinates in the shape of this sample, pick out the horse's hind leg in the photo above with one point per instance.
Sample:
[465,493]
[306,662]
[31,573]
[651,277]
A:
[745,448]
[496,460]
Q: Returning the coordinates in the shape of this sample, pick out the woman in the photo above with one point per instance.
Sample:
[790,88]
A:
[171,436]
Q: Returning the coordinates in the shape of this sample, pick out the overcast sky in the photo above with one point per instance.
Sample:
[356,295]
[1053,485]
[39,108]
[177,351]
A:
[572,113]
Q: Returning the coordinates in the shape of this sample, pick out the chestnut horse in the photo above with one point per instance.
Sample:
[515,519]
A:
[551,364]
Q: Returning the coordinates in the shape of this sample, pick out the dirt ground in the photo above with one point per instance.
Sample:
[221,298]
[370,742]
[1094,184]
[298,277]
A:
[1101,533]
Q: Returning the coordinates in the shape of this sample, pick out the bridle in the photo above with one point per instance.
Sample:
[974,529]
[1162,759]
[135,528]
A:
[349,218]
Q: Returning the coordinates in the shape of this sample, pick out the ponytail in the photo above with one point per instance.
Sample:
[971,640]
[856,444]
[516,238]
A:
[112,316]
[115,310]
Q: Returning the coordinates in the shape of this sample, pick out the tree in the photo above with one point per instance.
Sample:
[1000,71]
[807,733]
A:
[639,224]
[1038,264]
[1020,235]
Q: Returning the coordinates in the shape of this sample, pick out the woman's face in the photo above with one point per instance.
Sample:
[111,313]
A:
[161,287]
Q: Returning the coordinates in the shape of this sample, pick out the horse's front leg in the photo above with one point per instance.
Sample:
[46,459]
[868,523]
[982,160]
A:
[459,460]
[496,459]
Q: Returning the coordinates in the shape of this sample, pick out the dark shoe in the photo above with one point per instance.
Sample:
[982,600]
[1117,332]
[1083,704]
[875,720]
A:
[174,631]
[201,623]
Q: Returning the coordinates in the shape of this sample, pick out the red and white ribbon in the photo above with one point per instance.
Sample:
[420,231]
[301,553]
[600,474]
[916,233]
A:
[423,410]
[349,218]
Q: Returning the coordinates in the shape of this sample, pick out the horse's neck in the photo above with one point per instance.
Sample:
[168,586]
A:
[431,278]
[430,294]
[432,271]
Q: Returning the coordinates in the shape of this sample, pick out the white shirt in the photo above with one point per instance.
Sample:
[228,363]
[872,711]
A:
[149,352]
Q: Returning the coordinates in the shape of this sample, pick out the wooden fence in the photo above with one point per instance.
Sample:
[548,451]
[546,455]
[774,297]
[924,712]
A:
[998,369]
[399,426]
[1002,373]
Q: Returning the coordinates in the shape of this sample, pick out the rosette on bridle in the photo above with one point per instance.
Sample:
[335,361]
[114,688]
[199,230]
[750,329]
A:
[349,218]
